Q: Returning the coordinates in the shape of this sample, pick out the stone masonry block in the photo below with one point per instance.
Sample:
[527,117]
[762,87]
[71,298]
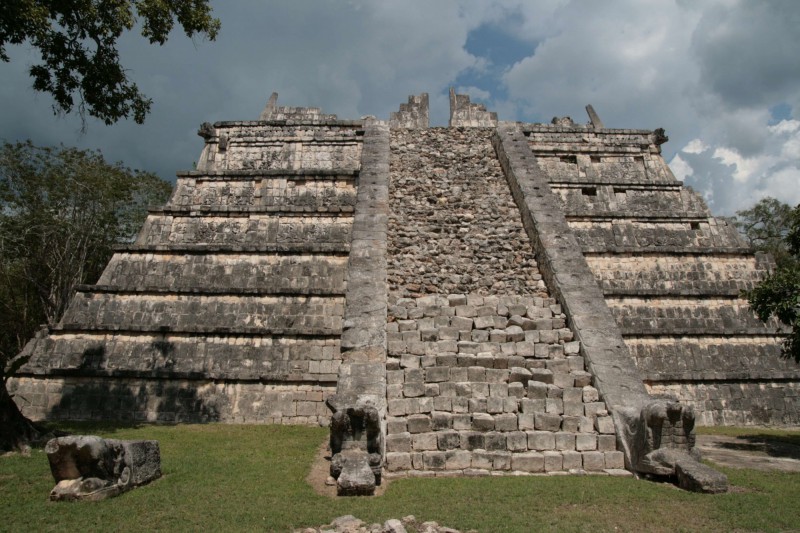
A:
[458,460]
[494,440]
[585,442]
[462,421]
[553,461]
[424,441]
[441,420]
[517,441]
[590,394]
[547,422]
[419,423]
[565,441]
[517,390]
[614,459]
[473,440]
[541,440]
[396,462]
[595,409]
[593,461]
[572,460]
[505,422]
[435,374]
[563,380]
[448,440]
[527,462]
[604,425]
[607,443]
[395,425]
[537,390]
[482,459]
[586,424]
[398,442]
[501,460]
[525,421]
[582,378]
[542,374]
[494,405]
[573,409]
[434,460]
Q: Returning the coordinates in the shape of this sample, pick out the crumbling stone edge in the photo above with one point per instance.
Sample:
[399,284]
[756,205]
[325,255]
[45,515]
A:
[358,424]
[656,436]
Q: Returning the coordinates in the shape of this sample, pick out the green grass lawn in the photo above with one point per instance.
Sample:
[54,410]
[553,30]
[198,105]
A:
[227,477]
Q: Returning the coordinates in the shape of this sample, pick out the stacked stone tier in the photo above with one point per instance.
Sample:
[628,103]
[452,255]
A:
[278,145]
[684,315]
[655,274]
[245,229]
[582,200]
[274,273]
[186,355]
[710,358]
[114,311]
[266,191]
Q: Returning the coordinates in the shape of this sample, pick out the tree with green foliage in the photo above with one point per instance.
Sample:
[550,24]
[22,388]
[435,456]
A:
[779,293]
[61,212]
[77,41]
[765,226]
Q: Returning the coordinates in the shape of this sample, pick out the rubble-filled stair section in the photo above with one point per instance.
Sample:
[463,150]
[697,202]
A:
[671,273]
[483,374]
[229,304]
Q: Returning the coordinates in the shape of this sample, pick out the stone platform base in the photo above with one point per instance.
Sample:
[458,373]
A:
[153,400]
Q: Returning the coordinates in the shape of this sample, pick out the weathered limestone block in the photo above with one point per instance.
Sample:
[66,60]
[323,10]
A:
[90,468]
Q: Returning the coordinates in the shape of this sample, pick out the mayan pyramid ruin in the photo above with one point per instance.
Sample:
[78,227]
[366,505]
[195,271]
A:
[488,296]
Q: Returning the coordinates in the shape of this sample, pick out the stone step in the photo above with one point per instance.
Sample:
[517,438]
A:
[710,358]
[607,236]
[300,174]
[632,187]
[127,312]
[183,356]
[245,230]
[274,273]
[324,120]
[278,191]
[481,462]
[278,248]
[670,315]
[658,274]
[610,201]
[204,291]
[224,211]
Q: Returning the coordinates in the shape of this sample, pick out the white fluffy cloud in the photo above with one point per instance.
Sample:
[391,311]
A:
[710,73]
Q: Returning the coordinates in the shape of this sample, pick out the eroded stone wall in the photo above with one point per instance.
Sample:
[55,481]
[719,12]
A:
[453,225]
[175,400]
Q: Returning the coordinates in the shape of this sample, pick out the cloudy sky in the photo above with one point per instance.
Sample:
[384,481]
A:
[721,76]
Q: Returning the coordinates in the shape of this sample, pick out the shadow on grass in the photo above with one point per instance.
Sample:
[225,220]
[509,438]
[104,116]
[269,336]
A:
[786,446]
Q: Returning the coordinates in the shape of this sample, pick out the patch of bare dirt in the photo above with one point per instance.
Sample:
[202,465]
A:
[747,452]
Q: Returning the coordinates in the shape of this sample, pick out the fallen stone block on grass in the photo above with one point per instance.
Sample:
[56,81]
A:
[86,467]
